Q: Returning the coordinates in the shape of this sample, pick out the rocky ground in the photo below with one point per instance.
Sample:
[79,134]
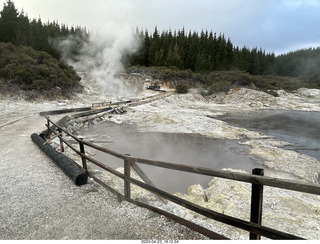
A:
[40,202]
[291,212]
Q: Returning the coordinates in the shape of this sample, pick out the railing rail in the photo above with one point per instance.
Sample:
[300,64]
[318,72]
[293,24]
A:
[254,227]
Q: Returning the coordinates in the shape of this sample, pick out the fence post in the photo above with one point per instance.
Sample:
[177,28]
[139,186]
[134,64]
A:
[256,203]
[84,162]
[61,142]
[49,131]
[127,169]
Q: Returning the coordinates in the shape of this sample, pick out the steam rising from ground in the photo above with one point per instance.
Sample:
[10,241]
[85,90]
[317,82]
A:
[98,57]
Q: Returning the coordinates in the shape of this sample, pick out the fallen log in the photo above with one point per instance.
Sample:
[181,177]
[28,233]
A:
[68,166]
[95,111]
[62,111]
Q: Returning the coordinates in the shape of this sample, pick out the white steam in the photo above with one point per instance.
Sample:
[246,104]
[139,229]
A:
[98,59]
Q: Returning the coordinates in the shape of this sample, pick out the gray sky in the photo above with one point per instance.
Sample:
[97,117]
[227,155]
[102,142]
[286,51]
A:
[275,25]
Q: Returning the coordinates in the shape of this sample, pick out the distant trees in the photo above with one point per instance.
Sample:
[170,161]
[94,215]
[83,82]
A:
[199,52]
[18,29]
[203,52]
[9,22]
[303,63]
[27,60]
[207,52]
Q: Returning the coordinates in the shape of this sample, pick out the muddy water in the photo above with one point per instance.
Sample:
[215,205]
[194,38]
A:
[298,127]
[187,149]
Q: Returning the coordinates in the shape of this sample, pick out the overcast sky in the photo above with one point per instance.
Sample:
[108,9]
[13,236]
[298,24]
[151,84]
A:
[275,25]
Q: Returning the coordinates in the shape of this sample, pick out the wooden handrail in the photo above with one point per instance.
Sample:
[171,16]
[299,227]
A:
[257,180]
[245,225]
[292,185]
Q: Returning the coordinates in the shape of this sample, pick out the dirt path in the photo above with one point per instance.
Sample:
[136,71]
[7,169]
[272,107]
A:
[39,202]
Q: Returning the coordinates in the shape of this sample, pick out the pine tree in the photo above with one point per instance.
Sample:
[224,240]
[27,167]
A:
[23,30]
[230,55]
[253,62]
[204,52]
[174,58]
[154,47]
[9,22]
[221,57]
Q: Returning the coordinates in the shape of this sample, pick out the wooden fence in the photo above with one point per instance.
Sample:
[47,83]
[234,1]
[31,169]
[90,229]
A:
[254,227]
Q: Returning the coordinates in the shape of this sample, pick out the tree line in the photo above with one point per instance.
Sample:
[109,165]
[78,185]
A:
[17,28]
[202,52]
[302,63]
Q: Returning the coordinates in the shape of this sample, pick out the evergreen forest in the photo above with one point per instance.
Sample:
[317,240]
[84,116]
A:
[207,52]
[199,52]
[17,28]
[207,57]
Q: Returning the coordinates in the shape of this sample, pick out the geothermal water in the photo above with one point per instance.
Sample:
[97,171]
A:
[189,149]
[298,127]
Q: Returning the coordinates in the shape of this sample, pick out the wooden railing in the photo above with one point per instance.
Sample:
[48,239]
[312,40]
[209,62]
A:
[254,227]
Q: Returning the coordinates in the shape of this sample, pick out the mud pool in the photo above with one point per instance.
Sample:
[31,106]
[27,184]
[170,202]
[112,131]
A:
[189,149]
[298,127]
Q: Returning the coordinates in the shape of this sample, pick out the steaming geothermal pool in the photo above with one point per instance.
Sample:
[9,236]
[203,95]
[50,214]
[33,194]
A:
[298,127]
[187,149]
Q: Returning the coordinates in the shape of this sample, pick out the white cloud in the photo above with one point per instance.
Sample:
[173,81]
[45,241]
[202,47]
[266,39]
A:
[301,3]
[272,24]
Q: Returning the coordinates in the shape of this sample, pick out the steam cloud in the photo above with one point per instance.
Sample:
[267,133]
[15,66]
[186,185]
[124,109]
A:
[100,57]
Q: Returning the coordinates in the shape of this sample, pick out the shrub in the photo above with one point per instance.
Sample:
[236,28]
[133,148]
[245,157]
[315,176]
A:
[182,88]
[220,87]
[32,69]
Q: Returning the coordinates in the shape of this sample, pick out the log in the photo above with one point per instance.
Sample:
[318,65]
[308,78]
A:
[96,111]
[68,166]
[62,111]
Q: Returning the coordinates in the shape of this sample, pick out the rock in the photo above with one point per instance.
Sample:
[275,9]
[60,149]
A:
[309,92]
[197,192]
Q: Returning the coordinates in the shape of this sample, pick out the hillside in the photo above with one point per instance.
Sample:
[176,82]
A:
[221,81]
[34,72]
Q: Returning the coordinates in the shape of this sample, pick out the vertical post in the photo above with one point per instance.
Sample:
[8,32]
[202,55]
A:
[84,162]
[256,203]
[61,142]
[127,169]
[49,131]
